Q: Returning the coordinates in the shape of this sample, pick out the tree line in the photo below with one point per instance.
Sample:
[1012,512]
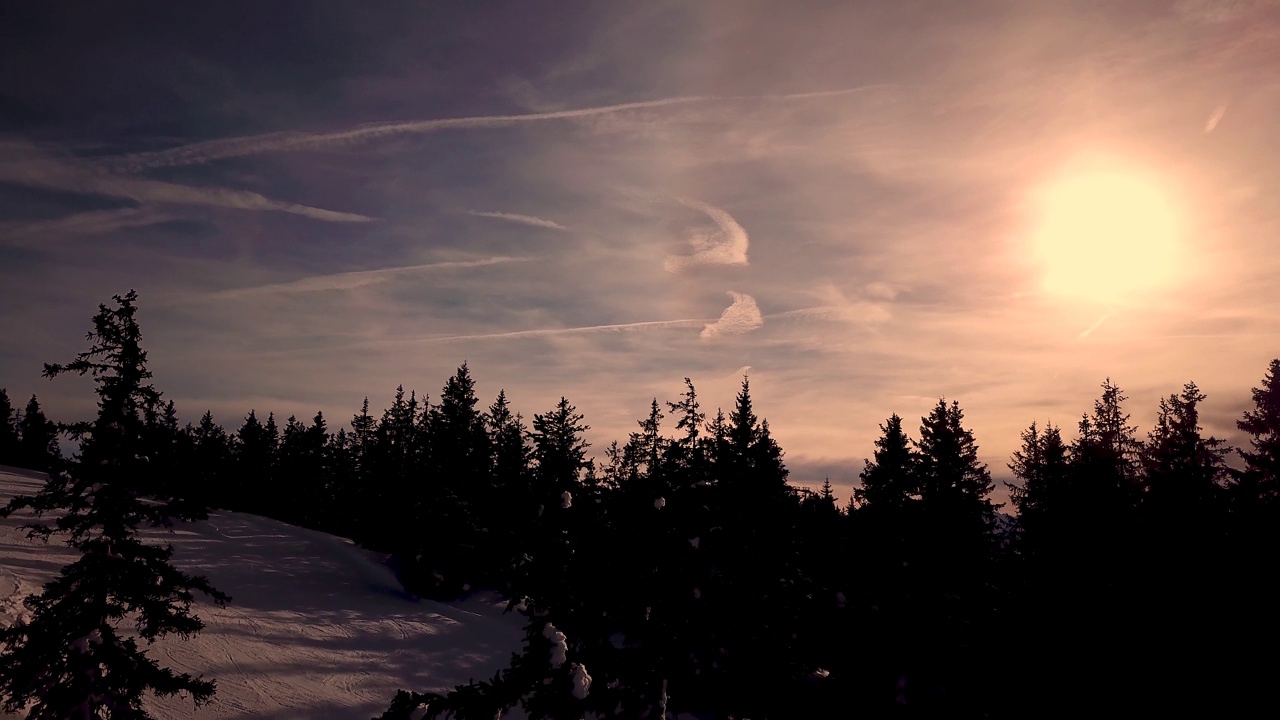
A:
[681,572]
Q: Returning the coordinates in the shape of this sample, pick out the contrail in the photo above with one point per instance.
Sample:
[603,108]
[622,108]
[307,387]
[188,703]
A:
[211,150]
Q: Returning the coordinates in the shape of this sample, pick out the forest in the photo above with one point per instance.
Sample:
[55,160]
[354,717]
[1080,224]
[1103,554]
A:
[677,573]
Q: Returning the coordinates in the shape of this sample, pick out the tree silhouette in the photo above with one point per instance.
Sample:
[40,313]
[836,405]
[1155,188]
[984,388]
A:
[38,445]
[1258,484]
[9,454]
[889,479]
[71,658]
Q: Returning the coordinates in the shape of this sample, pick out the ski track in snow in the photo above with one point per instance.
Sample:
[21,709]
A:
[317,627]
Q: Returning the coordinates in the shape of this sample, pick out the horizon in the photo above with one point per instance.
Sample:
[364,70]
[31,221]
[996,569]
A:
[863,209]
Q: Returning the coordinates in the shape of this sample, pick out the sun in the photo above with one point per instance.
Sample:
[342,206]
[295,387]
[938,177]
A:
[1110,236]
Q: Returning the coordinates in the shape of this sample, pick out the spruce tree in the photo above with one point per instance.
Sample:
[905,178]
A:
[1258,483]
[1184,472]
[1042,465]
[889,478]
[254,459]
[72,657]
[38,443]
[211,456]
[9,454]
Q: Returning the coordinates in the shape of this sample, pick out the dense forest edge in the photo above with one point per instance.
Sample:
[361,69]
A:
[680,572]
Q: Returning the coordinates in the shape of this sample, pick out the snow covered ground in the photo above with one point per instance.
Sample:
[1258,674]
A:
[317,627]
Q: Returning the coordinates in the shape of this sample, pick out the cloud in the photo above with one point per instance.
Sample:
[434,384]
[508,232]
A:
[521,219]
[726,245]
[541,332]
[740,317]
[211,150]
[1219,11]
[70,176]
[85,223]
[356,279]
[1097,324]
[1214,118]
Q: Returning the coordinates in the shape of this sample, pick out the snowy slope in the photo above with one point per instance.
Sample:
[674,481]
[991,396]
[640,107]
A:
[317,627]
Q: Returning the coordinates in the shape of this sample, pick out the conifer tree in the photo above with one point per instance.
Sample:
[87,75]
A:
[559,452]
[1184,472]
[950,474]
[1042,465]
[9,454]
[71,658]
[254,461]
[210,456]
[38,443]
[690,419]
[1106,456]
[889,478]
[1258,484]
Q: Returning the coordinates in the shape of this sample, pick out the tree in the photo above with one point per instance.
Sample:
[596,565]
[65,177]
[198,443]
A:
[1042,464]
[889,479]
[211,455]
[254,459]
[38,445]
[71,658]
[559,452]
[1106,457]
[8,431]
[1184,472]
[1258,483]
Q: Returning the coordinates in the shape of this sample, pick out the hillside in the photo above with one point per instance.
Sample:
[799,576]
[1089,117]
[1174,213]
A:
[317,628]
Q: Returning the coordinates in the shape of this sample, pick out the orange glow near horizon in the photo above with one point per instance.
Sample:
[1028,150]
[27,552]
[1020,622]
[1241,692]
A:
[1109,236]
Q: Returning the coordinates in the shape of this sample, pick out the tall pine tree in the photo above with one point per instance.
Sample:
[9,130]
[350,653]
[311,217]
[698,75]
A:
[73,656]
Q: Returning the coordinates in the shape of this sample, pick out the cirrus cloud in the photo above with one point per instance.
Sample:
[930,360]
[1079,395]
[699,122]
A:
[726,244]
[740,317]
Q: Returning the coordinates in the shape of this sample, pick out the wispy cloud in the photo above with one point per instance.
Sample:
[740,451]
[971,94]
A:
[725,245]
[617,327]
[521,219]
[1214,118]
[73,176]
[356,279]
[740,317]
[211,150]
[85,223]
[1097,324]
[1219,11]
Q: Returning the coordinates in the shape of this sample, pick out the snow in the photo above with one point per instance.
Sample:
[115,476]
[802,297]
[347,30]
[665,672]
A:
[581,681]
[318,628]
[559,645]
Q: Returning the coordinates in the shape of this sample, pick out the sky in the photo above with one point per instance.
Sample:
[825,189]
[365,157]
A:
[862,206]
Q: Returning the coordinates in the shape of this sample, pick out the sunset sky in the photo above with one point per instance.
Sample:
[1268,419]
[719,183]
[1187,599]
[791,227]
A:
[863,206]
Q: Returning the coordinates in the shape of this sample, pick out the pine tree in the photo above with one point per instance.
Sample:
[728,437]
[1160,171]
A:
[559,452]
[211,455]
[70,658]
[688,448]
[1254,546]
[1184,472]
[9,454]
[889,478]
[38,446]
[950,474]
[1258,484]
[254,459]
[1042,464]
[456,495]
[1106,456]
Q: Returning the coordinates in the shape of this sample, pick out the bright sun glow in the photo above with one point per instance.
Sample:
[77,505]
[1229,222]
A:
[1107,236]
